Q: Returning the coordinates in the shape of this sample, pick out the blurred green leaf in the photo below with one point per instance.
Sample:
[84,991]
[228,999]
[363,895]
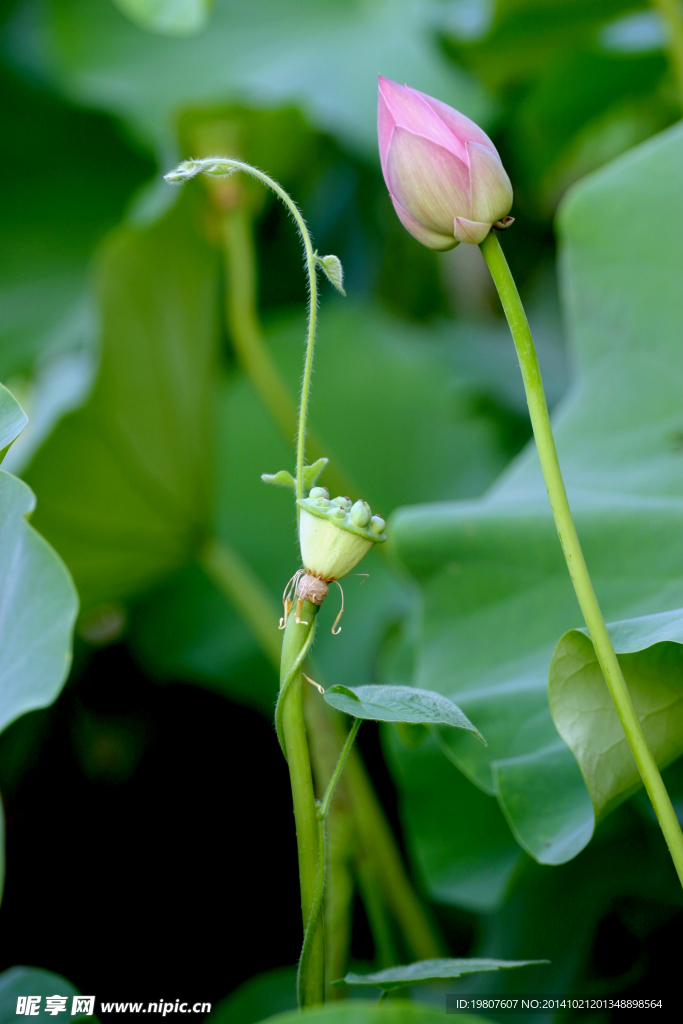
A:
[398,704]
[125,479]
[169,17]
[494,585]
[38,605]
[651,656]
[24,981]
[358,1011]
[430,970]
[528,37]
[13,419]
[263,53]
[262,996]
[53,214]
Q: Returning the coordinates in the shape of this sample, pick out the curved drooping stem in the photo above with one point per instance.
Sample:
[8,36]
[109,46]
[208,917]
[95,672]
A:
[222,167]
[588,602]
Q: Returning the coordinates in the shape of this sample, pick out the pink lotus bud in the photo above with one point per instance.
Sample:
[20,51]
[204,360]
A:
[443,173]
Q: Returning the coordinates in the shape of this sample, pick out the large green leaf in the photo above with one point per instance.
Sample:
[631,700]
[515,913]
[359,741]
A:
[123,482]
[496,593]
[263,52]
[651,656]
[431,970]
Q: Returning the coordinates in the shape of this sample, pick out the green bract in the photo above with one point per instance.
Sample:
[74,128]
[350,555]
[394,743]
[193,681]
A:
[332,541]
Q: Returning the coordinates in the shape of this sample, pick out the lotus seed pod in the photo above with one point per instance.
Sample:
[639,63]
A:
[319,492]
[360,513]
[332,543]
[377,524]
[344,503]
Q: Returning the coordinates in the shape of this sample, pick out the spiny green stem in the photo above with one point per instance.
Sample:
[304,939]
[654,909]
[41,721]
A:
[588,602]
[336,774]
[314,926]
[297,640]
[672,15]
[289,675]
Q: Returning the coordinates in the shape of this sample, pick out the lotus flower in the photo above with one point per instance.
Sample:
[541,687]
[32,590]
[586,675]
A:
[443,173]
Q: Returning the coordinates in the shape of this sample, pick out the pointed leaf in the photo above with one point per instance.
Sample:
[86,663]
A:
[431,970]
[399,704]
[333,271]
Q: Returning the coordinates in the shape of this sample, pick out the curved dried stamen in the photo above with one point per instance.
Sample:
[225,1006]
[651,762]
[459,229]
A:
[335,631]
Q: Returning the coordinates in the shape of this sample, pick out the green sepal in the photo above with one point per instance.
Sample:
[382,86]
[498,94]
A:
[280,479]
[285,479]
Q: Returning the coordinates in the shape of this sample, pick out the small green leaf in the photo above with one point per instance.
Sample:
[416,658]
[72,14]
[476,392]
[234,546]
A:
[431,970]
[13,419]
[284,479]
[650,650]
[333,270]
[399,704]
[312,472]
[281,479]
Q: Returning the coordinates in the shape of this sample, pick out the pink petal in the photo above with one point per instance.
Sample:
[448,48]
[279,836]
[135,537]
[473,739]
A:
[490,188]
[385,126]
[429,238]
[460,126]
[408,110]
[429,182]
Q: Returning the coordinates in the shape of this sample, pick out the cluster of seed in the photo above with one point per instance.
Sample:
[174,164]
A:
[359,513]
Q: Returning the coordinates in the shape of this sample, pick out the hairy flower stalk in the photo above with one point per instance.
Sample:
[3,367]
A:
[299,629]
[442,170]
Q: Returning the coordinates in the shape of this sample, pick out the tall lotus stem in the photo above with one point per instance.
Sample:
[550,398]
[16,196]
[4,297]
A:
[448,185]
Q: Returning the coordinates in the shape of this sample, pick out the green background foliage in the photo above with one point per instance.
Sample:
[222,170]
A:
[148,434]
